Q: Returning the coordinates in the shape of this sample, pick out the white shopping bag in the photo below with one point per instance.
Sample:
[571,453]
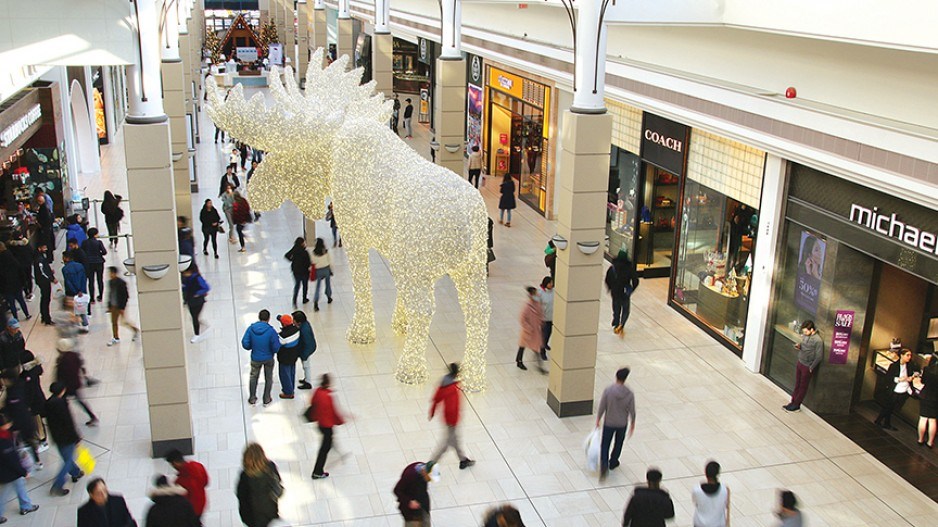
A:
[591,445]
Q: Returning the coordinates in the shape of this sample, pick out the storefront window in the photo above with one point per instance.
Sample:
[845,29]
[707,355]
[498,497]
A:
[623,196]
[714,259]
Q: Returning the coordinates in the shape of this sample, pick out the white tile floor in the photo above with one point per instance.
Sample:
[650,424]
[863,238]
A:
[695,402]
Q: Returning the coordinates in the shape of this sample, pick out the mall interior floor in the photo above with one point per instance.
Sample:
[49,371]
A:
[695,402]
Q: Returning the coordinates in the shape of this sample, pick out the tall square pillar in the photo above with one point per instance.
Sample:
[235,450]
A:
[320,33]
[382,63]
[174,103]
[583,181]
[345,45]
[449,107]
[153,218]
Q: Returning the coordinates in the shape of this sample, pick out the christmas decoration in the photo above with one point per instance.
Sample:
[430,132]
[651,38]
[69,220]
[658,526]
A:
[332,140]
[268,35]
[213,45]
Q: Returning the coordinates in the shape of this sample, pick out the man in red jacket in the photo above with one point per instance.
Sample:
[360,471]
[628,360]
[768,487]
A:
[448,394]
[325,413]
[190,475]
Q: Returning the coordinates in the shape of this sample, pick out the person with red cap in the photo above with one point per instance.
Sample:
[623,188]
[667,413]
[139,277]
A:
[287,355]
[323,411]
[447,394]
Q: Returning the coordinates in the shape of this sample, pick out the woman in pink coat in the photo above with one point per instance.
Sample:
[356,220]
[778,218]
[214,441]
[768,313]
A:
[532,322]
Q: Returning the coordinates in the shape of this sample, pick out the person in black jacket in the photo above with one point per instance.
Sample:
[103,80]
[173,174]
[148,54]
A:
[117,299]
[210,221]
[900,376]
[18,412]
[113,214]
[31,373]
[259,488]
[12,345]
[170,506]
[12,473]
[230,178]
[11,282]
[64,435]
[94,253]
[104,509]
[299,265]
[413,499]
[25,254]
[503,516]
[621,280]
[650,506]
[45,220]
[45,277]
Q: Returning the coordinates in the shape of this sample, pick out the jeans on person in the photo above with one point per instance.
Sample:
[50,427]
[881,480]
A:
[231,230]
[196,304]
[306,371]
[212,236]
[68,465]
[324,449]
[84,319]
[476,174]
[116,315]
[45,299]
[19,484]
[547,328]
[802,379]
[95,270]
[299,281]
[219,131]
[451,441]
[606,458]
[501,214]
[621,308]
[320,276]
[17,297]
[240,229]
[408,129]
[896,400]
[256,366]
[335,236]
[287,373]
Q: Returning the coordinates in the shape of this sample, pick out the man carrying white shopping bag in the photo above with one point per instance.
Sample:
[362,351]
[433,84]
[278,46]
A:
[618,406]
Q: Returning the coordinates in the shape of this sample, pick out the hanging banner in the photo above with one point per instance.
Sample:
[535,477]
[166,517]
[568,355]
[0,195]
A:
[275,54]
[840,342]
[423,116]
[810,272]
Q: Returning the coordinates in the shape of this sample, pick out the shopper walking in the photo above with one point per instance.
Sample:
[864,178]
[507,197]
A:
[322,262]
[229,179]
[788,513]
[550,258]
[621,281]
[192,476]
[810,353]
[70,371]
[928,403]
[73,275]
[227,207]
[287,355]
[413,499]
[250,173]
[194,291]
[259,488]
[506,203]
[104,509]
[113,214]
[330,217]
[299,266]
[211,222]
[45,220]
[12,475]
[448,394]
[12,345]
[11,282]
[262,341]
[45,278]
[546,298]
[618,406]
[241,216]
[307,347]
[649,506]
[711,499]
[18,412]
[327,416]
[76,229]
[170,507]
[408,117]
[64,435]
[475,165]
[900,373]
[184,237]
[532,325]
[24,253]
[117,299]
[94,268]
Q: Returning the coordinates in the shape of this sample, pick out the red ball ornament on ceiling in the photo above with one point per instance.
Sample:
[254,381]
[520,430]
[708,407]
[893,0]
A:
[791,92]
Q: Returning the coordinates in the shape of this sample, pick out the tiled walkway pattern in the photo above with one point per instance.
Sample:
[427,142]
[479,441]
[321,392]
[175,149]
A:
[695,402]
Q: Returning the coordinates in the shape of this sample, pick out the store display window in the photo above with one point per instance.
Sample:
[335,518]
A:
[714,259]
[621,212]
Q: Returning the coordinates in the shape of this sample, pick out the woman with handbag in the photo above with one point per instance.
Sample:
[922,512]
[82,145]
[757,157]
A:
[299,265]
[211,226]
[322,264]
[240,216]
[259,488]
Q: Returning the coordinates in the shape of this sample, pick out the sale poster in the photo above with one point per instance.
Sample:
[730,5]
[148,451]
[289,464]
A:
[840,341]
[810,272]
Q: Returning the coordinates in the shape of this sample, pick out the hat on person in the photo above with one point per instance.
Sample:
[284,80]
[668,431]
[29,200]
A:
[13,323]
[286,320]
[65,344]
[431,468]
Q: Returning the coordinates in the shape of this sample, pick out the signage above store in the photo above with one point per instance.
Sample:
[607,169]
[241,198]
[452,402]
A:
[664,143]
[890,225]
[423,53]
[475,70]
[19,126]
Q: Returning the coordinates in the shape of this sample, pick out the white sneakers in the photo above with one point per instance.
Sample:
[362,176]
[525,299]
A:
[113,341]
[195,339]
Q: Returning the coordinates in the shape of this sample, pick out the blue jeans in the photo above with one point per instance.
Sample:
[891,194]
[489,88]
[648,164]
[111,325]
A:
[323,274]
[13,299]
[605,457]
[298,282]
[68,465]
[287,377]
[501,214]
[621,307]
[20,485]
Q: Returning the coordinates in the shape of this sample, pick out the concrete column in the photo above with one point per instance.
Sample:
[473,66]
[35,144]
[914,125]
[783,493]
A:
[174,104]
[264,7]
[590,74]
[289,36]
[320,33]
[382,62]
[583,181]
[153,219]
[449,108]
[345,44]
[303,41]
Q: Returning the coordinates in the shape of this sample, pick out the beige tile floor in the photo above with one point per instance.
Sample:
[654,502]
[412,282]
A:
[695,402]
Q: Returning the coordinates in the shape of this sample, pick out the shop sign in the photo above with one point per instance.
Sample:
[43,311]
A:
[423,54]
[19,126]
[506,82]
[664,143]
[890,225]
[475,70]
[840,342]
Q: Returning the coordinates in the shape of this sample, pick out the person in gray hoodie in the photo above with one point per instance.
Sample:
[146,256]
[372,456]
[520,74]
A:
[810,353]
[263,342]
[307,346]
[618,406]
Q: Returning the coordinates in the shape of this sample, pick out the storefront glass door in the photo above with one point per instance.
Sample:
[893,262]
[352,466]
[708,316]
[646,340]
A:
[658,218]
[533,187]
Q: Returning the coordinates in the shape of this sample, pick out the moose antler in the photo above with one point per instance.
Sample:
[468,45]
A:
[250,121]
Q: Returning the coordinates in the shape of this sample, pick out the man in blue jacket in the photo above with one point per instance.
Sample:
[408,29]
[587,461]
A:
[74,275]
[264,342]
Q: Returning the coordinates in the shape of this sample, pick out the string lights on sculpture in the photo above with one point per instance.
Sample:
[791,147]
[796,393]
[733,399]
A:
[333,141]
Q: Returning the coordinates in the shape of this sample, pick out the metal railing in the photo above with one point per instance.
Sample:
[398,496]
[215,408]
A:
[94,205]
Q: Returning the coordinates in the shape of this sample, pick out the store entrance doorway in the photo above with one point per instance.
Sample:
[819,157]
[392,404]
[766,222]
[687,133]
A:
[660,196]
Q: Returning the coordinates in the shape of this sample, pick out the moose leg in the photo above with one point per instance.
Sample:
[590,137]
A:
[419,305]
[399,318]
[362,330]
[472,289]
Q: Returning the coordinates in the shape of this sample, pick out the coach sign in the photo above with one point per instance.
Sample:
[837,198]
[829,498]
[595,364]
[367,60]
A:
[664,143]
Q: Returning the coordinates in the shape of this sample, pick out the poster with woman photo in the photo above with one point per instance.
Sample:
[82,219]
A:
[810,272]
